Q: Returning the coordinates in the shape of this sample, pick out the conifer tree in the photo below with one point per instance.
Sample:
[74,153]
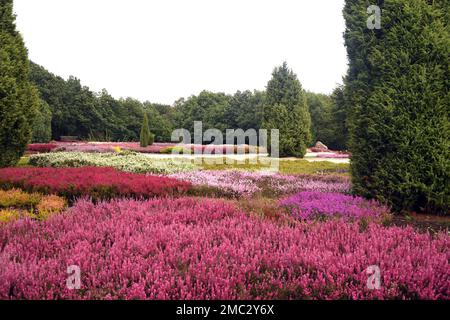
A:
[146,136]
[18,98]
[286,109]
[398,90]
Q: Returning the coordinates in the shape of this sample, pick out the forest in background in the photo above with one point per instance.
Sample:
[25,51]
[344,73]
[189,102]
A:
[68,108]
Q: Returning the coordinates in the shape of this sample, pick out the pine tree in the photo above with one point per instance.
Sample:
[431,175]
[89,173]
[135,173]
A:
[398,88]
[146,137]
[18,98]
[286,109]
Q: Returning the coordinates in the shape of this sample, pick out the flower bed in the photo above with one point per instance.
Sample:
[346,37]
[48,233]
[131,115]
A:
[333,156]
[245,184]
[110,147]
[186,249]
[135,163]
[41,147]
[98,183]
[313,204]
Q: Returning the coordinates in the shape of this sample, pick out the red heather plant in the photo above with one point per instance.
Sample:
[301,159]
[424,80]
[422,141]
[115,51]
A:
[95,182]
[41,147]
[313,204]
[187,249]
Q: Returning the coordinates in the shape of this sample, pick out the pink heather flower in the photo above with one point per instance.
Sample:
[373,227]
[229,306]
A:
[333,156]
[192,249]
[244,183]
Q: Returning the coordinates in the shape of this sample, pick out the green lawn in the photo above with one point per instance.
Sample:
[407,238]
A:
[286,167]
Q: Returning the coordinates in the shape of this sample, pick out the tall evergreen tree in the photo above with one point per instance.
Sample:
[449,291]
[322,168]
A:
[286,109]
[398,87]
[18,98]
[145,132]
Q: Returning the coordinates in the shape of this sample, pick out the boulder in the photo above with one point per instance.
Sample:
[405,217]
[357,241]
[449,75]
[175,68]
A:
[320,145]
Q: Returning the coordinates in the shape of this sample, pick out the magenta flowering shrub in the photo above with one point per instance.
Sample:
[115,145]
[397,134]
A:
[246,184]
[312,204]
[95,182]
[191,249]
[41,147]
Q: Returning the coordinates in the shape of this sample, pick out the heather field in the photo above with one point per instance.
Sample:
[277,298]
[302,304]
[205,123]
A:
[224,158]
[140,228]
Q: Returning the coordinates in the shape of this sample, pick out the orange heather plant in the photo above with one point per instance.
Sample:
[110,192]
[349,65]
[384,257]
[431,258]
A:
[18,198]
[7,216]
[49,206]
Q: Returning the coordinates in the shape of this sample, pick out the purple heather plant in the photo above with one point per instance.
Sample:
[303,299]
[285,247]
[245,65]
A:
[312,204]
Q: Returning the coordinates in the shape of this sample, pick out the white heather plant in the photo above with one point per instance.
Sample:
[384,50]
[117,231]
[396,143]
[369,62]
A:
[129,162]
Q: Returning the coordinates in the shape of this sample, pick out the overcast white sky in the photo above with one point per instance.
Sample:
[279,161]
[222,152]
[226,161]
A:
[161,50]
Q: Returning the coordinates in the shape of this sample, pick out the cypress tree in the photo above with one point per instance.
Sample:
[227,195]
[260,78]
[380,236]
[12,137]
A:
[286,109]
[398,89]
[18,98]
[145,132]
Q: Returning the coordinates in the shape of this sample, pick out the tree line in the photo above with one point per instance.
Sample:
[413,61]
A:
[67,108]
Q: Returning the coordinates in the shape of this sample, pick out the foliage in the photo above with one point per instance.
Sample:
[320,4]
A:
[398,88]
[23,162]
[77,111]
[19,204]
[286,109]
[9,215]
[18,199]
[339,120]
[49,206]
[18,98]
[145,137]
[42,126]
[319,106]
